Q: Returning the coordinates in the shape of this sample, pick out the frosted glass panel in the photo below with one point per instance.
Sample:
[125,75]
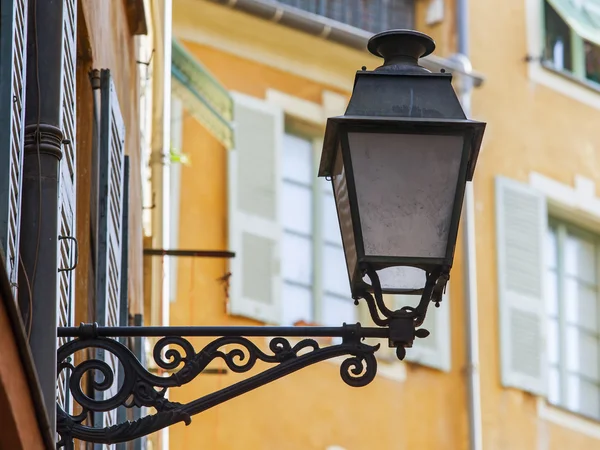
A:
[400,278]
[582,353]
[335,276]
[296,305]
[296,208]
[580,259]
[583,396]
[340,189]
[405,187]
[554,386]
[590,394]
[552,293]
[296,258]
[551,256]
[297,159]
[581,305]
[553,342]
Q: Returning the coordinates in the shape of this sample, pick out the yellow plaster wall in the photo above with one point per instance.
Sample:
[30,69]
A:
[530,128]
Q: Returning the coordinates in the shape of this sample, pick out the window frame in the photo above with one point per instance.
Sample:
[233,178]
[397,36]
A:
[561,83]
[563,227]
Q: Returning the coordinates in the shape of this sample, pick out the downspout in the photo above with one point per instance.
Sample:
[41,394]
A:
[39,204]
[469,245]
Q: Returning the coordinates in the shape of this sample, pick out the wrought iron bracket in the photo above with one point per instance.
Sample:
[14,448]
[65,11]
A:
[122,381]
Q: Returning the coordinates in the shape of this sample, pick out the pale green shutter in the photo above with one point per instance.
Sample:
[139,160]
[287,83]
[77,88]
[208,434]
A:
[521,221]
[13,47]
[254,218]
[434,350]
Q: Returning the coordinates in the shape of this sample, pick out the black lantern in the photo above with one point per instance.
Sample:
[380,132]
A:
[399,160]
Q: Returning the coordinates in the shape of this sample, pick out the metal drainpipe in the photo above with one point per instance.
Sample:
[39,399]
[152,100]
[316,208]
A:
[471,315]
[39,207]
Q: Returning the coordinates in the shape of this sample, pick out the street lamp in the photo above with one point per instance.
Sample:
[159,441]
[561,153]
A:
[398,160]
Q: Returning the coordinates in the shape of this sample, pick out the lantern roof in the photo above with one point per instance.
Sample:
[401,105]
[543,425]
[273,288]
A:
[401,96]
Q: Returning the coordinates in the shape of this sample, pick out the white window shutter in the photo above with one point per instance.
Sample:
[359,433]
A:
[434,350]
[521,224]
[13,48]
[254,217]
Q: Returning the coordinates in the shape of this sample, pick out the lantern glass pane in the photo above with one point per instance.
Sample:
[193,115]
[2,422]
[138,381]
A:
[400,279]
[342,201]
[405,187]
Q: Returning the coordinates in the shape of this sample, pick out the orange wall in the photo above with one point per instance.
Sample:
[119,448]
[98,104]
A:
[312,408]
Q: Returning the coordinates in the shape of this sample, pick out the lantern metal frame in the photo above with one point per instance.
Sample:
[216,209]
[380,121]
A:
[337,131]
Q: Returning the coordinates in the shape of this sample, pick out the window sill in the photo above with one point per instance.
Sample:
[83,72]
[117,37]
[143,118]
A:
[593,86]
[585,92]
[568,419]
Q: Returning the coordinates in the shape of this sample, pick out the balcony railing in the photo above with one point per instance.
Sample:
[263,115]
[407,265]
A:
[369,15]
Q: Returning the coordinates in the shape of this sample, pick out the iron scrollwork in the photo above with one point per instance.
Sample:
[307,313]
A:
[403,323]
[141,388]
[135,387]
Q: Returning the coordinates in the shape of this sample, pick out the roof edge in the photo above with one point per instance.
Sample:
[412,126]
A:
[333,30]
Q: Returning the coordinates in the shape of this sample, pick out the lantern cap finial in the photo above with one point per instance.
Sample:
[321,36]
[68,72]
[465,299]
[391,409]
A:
[401,50]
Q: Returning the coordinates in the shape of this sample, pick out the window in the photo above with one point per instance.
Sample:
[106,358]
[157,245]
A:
[315,282]
[572,310]
[549,295]
[572,39]
[370,15]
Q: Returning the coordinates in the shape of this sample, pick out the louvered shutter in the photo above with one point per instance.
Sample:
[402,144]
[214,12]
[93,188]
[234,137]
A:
[13,34]
[254,225]
[110,219]
[521,221]
[66,200]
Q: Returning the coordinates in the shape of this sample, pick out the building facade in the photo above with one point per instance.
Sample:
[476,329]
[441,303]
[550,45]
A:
[536,201]
[252,85]
[76,122]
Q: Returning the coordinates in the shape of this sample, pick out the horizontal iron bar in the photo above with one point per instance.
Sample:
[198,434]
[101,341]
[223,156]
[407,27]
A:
[373,332]
[195,253]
